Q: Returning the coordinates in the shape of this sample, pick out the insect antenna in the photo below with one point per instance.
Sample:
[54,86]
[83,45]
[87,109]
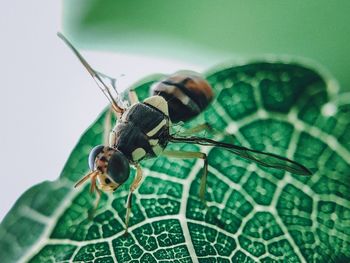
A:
[91,175]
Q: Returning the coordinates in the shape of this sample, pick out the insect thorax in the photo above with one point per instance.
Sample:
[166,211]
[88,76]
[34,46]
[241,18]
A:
[142,132]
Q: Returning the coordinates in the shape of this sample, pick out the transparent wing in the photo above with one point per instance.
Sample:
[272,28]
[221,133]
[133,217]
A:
[262,158]
[106,84]
[107,79]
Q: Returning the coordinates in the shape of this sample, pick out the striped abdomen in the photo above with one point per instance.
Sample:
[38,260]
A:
[187,95]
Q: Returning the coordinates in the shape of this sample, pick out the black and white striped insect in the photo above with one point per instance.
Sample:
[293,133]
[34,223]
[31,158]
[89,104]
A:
[143,131]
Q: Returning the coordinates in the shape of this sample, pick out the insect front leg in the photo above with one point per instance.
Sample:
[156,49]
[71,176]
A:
[93,188]
[186,155]
[107,128]
[133,187]
[207,128]
[98,198]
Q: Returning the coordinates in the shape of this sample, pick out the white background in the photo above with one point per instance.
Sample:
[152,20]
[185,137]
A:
[47,99]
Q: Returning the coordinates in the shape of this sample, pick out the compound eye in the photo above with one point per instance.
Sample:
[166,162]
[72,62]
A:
[118,167]
[93,154]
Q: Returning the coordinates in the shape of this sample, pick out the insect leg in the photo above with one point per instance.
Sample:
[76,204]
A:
[197,129]
[107,127]
[133,187]
[186,155]
[208,128]
[112,139]
[98,198]
[94,188]
[133,97]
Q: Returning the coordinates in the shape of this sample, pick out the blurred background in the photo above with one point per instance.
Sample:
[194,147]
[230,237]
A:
[47,99]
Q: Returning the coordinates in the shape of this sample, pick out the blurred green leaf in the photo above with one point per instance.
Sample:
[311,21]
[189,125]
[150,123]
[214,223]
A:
[254,213]
[205,31]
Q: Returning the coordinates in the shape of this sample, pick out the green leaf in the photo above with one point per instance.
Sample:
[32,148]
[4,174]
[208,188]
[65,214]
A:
[254,214]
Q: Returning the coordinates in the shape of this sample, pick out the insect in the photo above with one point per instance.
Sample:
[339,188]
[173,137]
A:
[143,131]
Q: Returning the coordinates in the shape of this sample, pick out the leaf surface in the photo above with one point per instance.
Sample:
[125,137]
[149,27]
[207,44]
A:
[253,214]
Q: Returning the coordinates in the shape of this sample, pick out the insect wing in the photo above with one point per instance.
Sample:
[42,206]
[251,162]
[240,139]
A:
[271,160]
[101,80]
[262,158]
[111,84]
